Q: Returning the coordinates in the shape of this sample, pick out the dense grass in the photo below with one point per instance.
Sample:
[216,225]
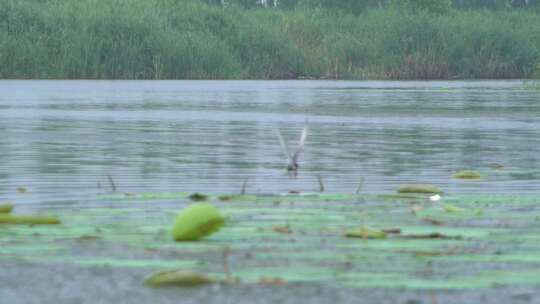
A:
[164,39]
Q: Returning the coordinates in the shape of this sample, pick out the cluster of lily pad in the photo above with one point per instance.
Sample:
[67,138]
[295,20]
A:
[202,219]
[411,222]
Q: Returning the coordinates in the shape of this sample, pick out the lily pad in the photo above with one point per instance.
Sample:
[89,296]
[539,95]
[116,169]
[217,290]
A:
[197,221]
[468,174]
[177,278]
[21,189]
[6,208]
[29,219]
[365,233]
[236,197]
[432,235]
[451,208]
[419,188]
[198,197]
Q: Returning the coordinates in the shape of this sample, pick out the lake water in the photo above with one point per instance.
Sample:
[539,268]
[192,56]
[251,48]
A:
[61,139]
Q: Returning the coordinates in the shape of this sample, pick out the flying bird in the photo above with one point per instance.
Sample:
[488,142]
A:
[293,159]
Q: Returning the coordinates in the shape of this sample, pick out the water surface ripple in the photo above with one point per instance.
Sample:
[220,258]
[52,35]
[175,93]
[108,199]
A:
[60,139]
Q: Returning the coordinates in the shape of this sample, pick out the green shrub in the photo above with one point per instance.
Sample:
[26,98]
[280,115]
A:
[422,6]
[161,39]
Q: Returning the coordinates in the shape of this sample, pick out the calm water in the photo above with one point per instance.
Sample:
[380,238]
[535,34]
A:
[60,139]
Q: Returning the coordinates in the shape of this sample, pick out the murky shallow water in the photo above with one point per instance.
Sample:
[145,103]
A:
[60,139]
[123,287]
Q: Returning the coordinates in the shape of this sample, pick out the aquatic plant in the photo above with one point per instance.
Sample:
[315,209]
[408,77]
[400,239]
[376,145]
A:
[282,229]
[314,252]
[197,221]
[6,208]
[419,188]
[272,281]
[177,278]
[452,208]
[365,233]
[468,174]
[29,219]
[198,197]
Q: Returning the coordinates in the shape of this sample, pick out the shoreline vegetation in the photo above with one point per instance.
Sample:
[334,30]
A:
[196,39]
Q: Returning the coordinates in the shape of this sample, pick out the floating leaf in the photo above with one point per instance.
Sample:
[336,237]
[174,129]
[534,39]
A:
[29,219]
[433,235]
[448,252]
[282,229]
[21,189]
[197,221]
[451,208]
[198,197]
[419,188]
[365,233]
[496,166]
[468,174]
[237,197]
[391,230]
[433,221]
[6,208]
[177,278]
[272,281]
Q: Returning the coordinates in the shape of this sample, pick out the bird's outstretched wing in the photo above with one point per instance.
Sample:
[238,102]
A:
[300,147]
[283,145]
